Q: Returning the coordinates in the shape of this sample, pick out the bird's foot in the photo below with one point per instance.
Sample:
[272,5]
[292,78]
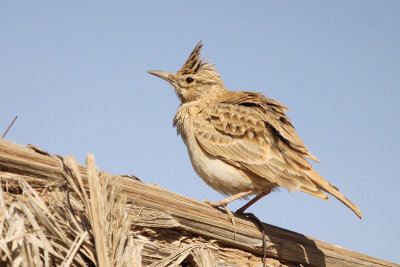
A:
[222,204]
[228,200]
[239,211]
[216,204]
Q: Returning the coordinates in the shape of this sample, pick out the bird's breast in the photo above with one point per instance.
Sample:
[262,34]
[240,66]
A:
[218,174]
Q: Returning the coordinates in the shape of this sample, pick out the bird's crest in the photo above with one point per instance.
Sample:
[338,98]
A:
[195,63]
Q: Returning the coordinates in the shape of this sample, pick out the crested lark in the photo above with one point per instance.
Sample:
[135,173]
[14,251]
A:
[241,143]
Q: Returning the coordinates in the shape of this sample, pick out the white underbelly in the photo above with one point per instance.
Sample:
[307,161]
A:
[221,176]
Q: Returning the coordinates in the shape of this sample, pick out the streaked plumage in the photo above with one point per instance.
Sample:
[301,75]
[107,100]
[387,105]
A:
[241,141]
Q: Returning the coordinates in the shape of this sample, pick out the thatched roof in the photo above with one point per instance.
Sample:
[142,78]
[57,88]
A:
[54,212]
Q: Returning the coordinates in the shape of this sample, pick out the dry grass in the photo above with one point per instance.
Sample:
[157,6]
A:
[66,226]
[54,212]
[86,221]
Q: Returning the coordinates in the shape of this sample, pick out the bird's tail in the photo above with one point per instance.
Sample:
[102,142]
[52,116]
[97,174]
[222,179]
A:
[331,189]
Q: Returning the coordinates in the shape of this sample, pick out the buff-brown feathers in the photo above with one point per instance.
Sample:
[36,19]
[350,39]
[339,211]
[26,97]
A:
[195,64]
[242,131]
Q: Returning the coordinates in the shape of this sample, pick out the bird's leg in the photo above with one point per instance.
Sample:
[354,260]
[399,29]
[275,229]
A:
[228,200]
[251,202]
[223,203]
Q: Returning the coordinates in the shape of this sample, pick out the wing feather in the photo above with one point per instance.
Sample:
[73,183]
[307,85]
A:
[245,130]
[253,133]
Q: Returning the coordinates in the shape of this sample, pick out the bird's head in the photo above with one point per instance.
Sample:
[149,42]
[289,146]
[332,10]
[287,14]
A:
[195,80]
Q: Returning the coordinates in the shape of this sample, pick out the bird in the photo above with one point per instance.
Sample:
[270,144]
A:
[241,143]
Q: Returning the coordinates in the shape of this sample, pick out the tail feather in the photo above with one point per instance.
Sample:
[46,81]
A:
[331,189]
[316,193]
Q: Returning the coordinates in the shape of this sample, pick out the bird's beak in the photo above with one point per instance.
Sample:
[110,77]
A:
[168,76]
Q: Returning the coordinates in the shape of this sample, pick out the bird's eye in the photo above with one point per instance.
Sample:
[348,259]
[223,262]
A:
[189,79]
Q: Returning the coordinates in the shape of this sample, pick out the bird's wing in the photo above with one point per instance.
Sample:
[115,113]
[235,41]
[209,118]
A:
[273,113]
[253,133]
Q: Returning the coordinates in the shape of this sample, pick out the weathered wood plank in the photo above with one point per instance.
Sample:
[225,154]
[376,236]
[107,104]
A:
[177,211]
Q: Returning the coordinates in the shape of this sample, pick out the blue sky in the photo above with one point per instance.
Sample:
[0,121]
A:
[75,74]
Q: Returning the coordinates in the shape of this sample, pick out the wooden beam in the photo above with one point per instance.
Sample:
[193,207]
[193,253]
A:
[157,207]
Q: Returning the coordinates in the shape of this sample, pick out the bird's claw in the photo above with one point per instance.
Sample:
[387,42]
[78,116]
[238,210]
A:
[215,204]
